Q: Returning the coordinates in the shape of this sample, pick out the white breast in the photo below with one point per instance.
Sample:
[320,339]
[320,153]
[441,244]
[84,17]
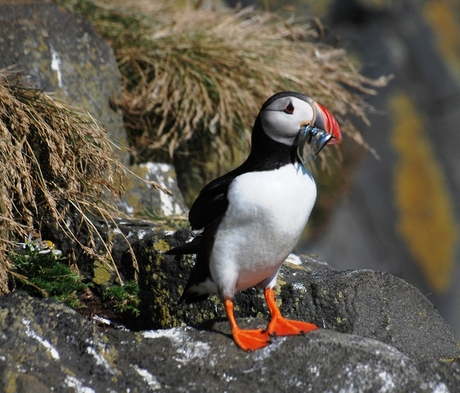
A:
[266,215]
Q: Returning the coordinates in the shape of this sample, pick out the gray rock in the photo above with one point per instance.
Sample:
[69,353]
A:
[46,346]
[141,199]
[370,304]
[379,333]
[60,52]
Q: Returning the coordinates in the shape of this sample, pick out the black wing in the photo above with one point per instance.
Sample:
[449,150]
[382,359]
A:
[191,247]
[206,211]
[200,272]
[212,202]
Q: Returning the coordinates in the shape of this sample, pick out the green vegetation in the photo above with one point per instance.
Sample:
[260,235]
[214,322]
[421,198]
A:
[125,298]
[39,268]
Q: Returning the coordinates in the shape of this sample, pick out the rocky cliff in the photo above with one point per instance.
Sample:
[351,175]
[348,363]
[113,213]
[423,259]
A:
[378,333]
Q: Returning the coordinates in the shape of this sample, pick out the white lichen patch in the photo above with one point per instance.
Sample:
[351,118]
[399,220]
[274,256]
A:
[126,207]
[161,173]
[266,352]
[314,370]
[435,387]
[388,381]
[33,334]
[173,333]
[102,320]
[117,231]
[299,286]
[228,378]
[148,378]
[56,65]
[294,259]
[77,385]
[187,348]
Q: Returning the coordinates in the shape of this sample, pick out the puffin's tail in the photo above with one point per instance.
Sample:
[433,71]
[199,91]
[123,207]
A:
[186,248]
[189,296]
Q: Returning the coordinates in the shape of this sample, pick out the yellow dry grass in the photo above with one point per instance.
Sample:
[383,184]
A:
[56,161]
[194,79]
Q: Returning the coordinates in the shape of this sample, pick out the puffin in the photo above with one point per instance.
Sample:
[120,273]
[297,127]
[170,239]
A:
[250,219]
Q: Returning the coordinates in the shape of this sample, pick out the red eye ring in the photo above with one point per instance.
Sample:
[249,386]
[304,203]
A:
[289,108]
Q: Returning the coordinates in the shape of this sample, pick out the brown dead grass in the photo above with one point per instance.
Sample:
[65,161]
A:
[194,79]
[55,160]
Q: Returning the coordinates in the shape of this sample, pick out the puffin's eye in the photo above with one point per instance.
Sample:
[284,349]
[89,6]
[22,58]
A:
[289,108]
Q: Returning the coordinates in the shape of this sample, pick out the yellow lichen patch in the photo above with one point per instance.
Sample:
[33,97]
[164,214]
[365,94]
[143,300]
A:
[295,266]
[11,376]
[442,17]
[110,354]
[103,272]
[425,209]
[161,245]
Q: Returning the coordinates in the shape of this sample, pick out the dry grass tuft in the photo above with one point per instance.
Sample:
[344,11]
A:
[194,79]
[55,161]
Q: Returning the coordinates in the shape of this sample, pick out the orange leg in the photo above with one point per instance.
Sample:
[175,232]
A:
[280,326]
[247,340]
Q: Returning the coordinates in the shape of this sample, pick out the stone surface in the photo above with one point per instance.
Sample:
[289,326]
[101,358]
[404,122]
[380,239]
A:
[141,199]
[61,53]
[371,304]
[375,305]
[45,346]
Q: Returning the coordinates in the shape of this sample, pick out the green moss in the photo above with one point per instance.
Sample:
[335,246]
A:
[40,271]
[125,298]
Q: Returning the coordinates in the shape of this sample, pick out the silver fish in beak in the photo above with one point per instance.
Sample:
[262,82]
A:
[322,130]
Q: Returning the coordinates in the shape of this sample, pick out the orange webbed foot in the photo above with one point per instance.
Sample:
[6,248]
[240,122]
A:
[288,327]
[280,326]
[251,340]
[247,340]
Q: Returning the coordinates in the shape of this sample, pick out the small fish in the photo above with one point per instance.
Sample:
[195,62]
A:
[313,136]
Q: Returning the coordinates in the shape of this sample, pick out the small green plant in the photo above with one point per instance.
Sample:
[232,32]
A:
[39,268]
[125,298]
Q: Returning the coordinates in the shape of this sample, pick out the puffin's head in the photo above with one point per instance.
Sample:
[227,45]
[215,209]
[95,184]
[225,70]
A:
[288,116]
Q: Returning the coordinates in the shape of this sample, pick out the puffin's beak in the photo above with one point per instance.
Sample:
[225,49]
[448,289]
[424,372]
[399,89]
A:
[326,122]
[324,130]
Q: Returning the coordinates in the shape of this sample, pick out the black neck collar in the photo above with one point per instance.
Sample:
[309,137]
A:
[267,154]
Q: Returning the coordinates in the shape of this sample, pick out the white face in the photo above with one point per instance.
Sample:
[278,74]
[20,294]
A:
[283,118]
